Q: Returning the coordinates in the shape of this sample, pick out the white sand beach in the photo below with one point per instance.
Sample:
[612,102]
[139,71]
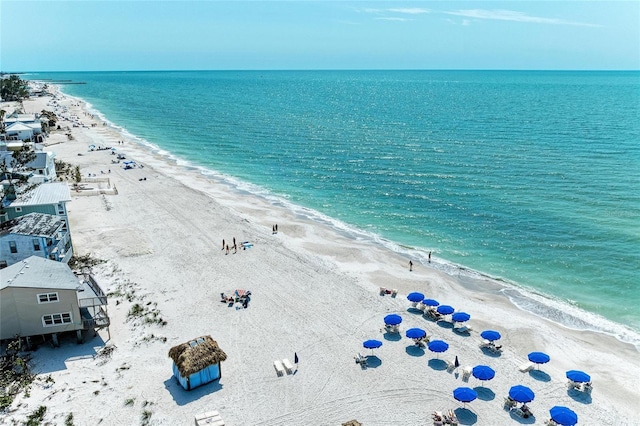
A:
[315,293]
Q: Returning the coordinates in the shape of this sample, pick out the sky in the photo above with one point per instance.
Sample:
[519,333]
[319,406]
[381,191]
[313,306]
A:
[114,35]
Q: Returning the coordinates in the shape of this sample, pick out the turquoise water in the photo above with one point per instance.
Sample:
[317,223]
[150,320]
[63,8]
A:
[532,177]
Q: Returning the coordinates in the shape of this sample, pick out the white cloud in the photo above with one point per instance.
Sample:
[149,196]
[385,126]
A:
[410,11]
[393,19]
[514,16]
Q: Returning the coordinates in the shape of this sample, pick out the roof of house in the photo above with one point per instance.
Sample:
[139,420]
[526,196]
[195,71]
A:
[44,194]
[195,355]
[34,224]
[17,127]
[38,272]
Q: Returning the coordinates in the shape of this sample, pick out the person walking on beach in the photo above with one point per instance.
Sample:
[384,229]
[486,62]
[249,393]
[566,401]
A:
[223,244]
[276,228]
[227,249]
[410,266]
[429,257]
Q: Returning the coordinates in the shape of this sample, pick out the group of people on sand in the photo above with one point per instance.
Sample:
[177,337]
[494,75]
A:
[226,246]
[274,229]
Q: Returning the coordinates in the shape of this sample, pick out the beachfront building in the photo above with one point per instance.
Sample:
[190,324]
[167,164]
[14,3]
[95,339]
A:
[39,170]
[197,362]
[42,297]
[49,198]
[34,234]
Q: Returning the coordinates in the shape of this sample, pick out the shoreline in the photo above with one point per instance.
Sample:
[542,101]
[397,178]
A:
[315,293]
[527,299]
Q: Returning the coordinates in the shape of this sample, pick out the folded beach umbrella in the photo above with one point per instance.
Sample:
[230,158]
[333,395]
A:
[392,319]
[416,333]
[415,297]
[490,335]
[464,394]
[563,416]
[438,346]
[430,302]
[483,372]
[460,317]
[445,309]
[521,394]
[539,358]
[578,376]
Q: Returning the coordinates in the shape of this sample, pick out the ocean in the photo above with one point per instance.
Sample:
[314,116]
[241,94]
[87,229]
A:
[529,177]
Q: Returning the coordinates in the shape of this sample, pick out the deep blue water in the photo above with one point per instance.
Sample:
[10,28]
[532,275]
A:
[533,177]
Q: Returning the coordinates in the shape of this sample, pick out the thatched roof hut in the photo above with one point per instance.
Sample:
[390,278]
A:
[352,423]
[194,357]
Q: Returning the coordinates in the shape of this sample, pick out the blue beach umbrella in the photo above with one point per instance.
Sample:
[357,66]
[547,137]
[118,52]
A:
[460,317]
[415,297]
[438,346]
[372,344]
[563,416]
[392,319]
[521,394]
[490,335]
[430,302]
[464,394]
[483,372]
[445,309]
[416,333]
[539,358]
[578,376]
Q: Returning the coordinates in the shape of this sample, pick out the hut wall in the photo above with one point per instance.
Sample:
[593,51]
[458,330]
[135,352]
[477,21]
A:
[200,378]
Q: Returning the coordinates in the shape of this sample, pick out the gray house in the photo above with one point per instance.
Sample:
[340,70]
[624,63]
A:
[41,297]
[34,234]
[50,198]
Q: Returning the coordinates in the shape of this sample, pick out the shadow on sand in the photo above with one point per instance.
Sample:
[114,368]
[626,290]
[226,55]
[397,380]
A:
[47,359]
[392,337]
[579,396]
[414,350]
[373,361]
[182,396]
[445,324]
[437,364]
[466,416]
[485,394]
[490,353]
[540,375]
[525,421]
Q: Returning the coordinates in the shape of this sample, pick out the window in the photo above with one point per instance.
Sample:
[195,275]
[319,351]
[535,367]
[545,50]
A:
[3,264]
[13,247]
[56,319]
[47,297]
[36,244]
[18,209]
[60,209]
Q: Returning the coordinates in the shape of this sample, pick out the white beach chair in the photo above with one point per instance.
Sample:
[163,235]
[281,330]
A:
[527,366]
[466,373]
[210,418]
[451,365]
[288,366]
[277,364]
